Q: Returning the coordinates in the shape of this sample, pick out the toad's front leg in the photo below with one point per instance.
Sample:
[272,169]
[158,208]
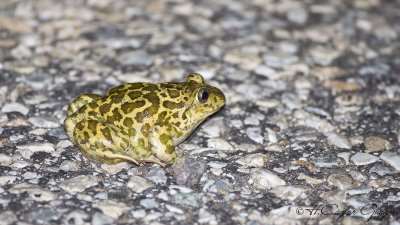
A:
[161,143]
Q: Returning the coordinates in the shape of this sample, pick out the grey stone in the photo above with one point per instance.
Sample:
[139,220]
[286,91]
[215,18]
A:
[79,183]
[148,203]
[328,162]
[381,170]
[43,215]
[264,179]
[157,175]
[76,217]
[341,181]
[139,184]
[297,15]
[254,133]
[189,199]
[15,107]
[58,133]
[101,219]
[220,186]
[138,58]
[363,158]
[44,122]
[392,159]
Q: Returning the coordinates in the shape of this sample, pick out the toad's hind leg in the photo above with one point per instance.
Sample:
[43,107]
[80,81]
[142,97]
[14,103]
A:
[104,143]
[81,101]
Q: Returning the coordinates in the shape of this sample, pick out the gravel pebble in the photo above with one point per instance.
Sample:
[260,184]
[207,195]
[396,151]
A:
[7,180]
[37,147]
[43,215]
[35,192]
[101,219]
[360,159]
[68,165]
[137,58]
[392,159]
[359,201]
[381,170]
[77,217]
[290,192]
[221,186]
[139,184]
[15,107]
[148,203]
[341,181]
[79,183]
[7,217]
[338,140]
[375,144]
[189,199]
[111,208]
[264,179]
[360,190]
[253,160]
[157,175]
[116,168]
[44,122]
[254,133]
[327,162]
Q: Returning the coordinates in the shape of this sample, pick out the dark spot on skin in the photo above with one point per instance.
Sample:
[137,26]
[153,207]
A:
[79,126]
[131,132]
[134,94]
[128,107]
[167,85]
[175,115]
[116,116]
[128,122]
[116,98]
[151,110]
[161,117]
[92,126]
[165,138]
[184,116]
[173,105]
[150,88]
[186,99]
[105,108]
[92,113]
[173,93]
[155,100]
[132,86]
[86,134]
[145,128]
[177,124]
[139,117]
[93,105]
[163,95]
[107,133]
[170,149]
[126,141]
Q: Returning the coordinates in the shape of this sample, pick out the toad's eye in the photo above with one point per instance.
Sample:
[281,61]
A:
[202,95]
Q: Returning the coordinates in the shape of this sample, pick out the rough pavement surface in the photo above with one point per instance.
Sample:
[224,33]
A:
[310,132]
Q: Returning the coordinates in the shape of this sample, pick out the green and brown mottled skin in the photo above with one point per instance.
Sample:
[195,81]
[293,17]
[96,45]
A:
[140,122]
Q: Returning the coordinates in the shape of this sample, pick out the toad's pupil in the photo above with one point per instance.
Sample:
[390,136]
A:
[204,96]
